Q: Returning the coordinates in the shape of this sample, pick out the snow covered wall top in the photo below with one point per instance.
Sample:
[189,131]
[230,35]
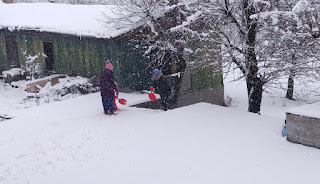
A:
[312,110]
[81,20]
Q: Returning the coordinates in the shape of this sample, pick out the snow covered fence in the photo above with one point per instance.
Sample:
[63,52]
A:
[303,125]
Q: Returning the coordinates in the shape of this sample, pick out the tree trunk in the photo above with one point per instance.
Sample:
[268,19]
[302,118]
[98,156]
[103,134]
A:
[254,83]
[176,90]
[289,94]
[254,87]
[181,66]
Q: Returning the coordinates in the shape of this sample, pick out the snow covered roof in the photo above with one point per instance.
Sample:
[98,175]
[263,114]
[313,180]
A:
[311,110]
[81,20]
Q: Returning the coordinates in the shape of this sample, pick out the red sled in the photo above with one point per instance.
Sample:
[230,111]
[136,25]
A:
[152,96]
[122,101]
[115,104]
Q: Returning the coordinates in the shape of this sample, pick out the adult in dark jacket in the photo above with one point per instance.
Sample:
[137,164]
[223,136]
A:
[107,88]
[161,87]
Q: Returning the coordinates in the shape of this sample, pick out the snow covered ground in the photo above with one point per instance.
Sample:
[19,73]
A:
[72,141]
[85,20]
[273,103]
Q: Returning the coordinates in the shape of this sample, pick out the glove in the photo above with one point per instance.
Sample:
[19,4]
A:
[152,89]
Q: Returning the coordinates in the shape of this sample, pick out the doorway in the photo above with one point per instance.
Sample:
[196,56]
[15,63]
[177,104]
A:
[48,51]
[12,52]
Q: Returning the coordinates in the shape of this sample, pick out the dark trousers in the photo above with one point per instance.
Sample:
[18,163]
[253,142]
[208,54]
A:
[166,101]
[108,106]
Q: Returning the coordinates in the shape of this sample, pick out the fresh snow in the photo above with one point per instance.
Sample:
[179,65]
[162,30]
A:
[45,78]
[72,141]
[80,20]
[301,6]
[13,72]
[310,110]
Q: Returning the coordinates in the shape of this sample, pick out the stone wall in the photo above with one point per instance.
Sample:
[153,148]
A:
[213,96]
[150,104]
[303,130]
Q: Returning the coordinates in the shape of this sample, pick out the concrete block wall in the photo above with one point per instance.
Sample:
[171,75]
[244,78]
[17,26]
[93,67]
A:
[303,130]
[213,95]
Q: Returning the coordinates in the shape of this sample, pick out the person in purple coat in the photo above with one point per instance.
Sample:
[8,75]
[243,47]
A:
[107,88]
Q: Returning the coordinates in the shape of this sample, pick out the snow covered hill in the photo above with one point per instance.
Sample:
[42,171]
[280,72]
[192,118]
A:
[72,141]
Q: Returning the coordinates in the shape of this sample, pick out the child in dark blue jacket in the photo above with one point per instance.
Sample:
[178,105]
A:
[161,87]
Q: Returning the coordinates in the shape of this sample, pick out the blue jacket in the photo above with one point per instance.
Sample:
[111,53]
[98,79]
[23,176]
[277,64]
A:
[160,84]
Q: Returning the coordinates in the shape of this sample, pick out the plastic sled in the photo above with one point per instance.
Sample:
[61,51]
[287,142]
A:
[152,96]
[122,101]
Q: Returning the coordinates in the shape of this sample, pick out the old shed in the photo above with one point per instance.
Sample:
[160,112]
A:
[74,43]
[74,40]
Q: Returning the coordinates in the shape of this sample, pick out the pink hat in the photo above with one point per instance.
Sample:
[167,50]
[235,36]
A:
[109,65]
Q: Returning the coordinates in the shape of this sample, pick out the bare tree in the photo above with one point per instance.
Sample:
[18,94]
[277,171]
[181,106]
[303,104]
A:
[157,32]
[239,35]
[155,20]
[104,2]
[261,39]
[299,25]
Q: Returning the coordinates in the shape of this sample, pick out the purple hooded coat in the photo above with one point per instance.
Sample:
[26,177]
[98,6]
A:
[107,85]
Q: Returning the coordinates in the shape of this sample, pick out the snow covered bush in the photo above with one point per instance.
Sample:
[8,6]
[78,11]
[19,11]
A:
[33,69]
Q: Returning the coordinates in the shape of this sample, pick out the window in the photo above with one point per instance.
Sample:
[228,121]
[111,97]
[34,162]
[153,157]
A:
[48,51]
[12,51]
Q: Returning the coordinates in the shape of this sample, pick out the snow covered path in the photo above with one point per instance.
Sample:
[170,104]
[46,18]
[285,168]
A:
[72,141]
